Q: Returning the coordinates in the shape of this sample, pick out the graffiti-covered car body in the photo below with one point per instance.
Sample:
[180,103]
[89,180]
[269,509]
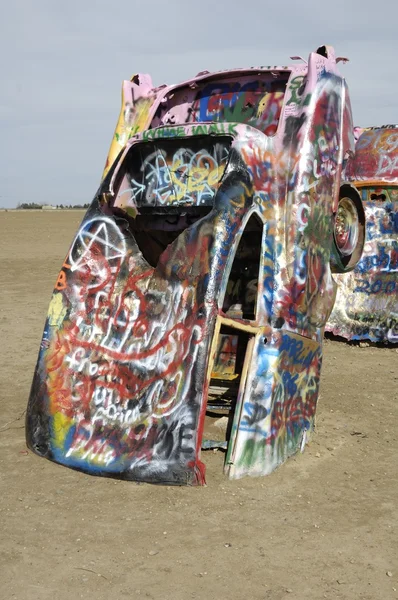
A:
[366,304]
[204,258]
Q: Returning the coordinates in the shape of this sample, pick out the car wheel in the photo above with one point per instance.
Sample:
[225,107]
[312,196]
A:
[348,231]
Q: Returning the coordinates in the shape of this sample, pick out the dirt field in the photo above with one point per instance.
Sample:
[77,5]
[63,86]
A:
[322,526]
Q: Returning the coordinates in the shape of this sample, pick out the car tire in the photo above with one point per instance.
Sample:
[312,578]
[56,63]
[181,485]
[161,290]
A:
[348,231]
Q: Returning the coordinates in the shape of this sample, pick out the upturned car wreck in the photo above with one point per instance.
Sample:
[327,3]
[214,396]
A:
[201,277]
[367,299]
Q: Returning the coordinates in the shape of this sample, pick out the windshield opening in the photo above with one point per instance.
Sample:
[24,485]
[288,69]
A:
[172,172]
[255,99]
[166,185]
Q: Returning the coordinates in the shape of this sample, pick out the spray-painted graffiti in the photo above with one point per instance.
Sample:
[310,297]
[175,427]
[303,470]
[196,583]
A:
[257,103]
[115,331]
[367,301]
[376,156]
[172,176]
[202,264]
[236,98]
[279,405]
[137,99]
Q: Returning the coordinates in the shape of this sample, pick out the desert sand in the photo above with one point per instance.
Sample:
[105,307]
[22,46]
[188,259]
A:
[322,526]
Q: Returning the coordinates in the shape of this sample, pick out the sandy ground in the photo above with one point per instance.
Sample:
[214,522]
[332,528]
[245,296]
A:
[322,526]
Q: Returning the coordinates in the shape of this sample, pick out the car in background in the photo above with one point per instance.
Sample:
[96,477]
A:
[366,306]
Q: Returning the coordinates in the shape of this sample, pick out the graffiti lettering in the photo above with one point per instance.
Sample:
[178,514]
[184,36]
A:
[172,132]
[296,351]
[185,177]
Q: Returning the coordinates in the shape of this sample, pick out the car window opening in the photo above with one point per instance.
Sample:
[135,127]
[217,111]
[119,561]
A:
[165,186]
[381,197]
[255,99]
[153,233]
[242,287]
[225,383]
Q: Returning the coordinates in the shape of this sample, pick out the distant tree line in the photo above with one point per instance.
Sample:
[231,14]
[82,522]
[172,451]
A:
[29,205]
[73,206]
[34,205]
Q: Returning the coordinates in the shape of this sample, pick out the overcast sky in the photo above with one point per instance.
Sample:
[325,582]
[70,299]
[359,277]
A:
[62,65]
